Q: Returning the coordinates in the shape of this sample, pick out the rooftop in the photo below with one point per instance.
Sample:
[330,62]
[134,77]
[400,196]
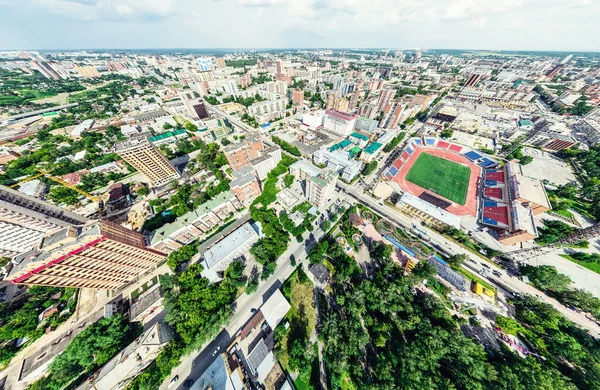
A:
[372,148]
[229,244]
[436,212]
[341,115]
[360,136]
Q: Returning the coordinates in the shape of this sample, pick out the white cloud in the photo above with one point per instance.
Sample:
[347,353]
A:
[97,10]
[259,3]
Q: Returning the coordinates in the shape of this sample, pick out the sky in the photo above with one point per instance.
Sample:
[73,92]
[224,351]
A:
[561,25]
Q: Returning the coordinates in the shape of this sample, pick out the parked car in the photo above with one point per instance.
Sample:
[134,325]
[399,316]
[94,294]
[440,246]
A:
[188,383]
[174,380]
[216,351]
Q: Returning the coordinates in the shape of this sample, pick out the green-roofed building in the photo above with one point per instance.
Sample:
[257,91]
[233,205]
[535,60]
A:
[342,145]
[359,139]
[370,152]
[355,151]
[168,137]
[525,123]
[195,223]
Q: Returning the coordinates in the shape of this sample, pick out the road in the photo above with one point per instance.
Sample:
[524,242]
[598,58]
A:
[192,366]
[441,242]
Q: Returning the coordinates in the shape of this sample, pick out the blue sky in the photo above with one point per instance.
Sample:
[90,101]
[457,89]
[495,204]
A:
[465,24]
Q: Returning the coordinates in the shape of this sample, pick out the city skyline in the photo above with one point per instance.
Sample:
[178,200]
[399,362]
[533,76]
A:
[462,24]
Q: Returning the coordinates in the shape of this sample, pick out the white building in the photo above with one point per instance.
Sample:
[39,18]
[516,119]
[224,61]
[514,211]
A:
[269,159]
[205,64]
[83,126]
[217,258]
[339,161]
[339,122]
[320,188]
[268,107]
[314,119]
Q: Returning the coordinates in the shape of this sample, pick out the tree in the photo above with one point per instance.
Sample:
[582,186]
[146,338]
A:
[526,160]
[60,194]
[456,261]
[142,191]
[546,277]
[225,141]
[167,126]
[288,180]
[369,168]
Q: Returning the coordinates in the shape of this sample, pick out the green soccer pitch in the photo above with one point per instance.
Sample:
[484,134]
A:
[443,177]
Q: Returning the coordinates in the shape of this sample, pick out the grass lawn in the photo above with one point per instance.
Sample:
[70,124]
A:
[443,177]
[347,383]
[595,267]
[301,297]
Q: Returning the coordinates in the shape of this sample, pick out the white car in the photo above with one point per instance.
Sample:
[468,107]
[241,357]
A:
[216,351]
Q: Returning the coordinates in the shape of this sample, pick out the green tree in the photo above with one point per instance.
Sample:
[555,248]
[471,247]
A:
[546,277]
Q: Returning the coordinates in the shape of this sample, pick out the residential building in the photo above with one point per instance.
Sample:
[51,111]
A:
[313,119]
[99,255]
[298,97]
[392,118]
[339,123]
[147,159]
[385,97]
[205,64]
[25,219]
[245,185]
[421,101]
[267,161]
[235,245]
[87,72]
[320,188]
[195,223]
[268,107]
[240,154]
[220,62]
[131,360]
[340,161]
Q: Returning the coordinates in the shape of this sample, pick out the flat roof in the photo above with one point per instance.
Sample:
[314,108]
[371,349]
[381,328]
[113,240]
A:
[341,115]
[275,308]
[358,135]
[229,244]
[428,208]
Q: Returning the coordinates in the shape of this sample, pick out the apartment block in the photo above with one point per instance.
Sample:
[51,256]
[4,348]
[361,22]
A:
[239,155]
[100,255]
[147,159]
[25,219]
[245,185]
[339,122]
[320,188]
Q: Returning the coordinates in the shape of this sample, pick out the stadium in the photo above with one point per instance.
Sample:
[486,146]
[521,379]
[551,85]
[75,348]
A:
[446,181]
[441,173]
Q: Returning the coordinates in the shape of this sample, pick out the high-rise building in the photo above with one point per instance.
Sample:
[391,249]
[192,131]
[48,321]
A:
[298,97]
[341,104]
[331,101]
[420,100]
[339,122]
[87,72]
[147,159]
[385,97]
[320,188]
[25,219]
[391,119]
[101,255]
[279,68]
[205,64]
[354,100]
[239,155]
[220,62]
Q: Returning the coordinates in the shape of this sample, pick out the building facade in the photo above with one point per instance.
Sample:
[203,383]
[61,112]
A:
[320,188]
[101,255]
[147,159]
[339,123]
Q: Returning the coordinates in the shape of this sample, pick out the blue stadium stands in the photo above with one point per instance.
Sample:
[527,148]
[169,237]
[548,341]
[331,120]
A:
[430,141]
[473,156]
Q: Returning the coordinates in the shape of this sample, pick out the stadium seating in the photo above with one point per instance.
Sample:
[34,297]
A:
[494,174]
[455,148]
[393,171]
[496,192]
[397,164]
[443,144]
[430,141]
[486,163]
[409,151]
[473,156]
[405,156]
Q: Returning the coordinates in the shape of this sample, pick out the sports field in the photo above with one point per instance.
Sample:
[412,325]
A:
[445,178]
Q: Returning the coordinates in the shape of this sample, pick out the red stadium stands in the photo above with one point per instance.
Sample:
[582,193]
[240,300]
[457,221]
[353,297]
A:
[405,156]
[493,193]
[495,175]
[397,164]
[455,148]
[443,144]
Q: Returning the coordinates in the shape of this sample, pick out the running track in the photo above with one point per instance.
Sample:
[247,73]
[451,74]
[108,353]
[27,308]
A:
[470,207]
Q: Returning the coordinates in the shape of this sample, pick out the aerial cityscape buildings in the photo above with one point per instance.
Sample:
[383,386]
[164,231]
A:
[247,219]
